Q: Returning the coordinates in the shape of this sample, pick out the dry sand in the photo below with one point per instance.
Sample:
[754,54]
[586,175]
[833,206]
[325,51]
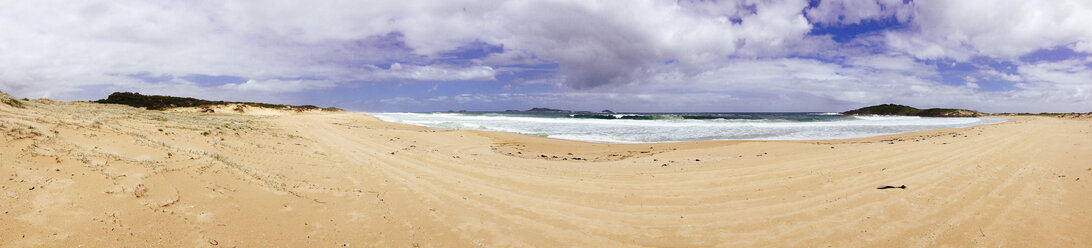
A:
[95,175]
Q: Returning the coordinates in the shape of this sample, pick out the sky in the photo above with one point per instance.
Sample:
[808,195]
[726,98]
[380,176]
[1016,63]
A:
[624,55]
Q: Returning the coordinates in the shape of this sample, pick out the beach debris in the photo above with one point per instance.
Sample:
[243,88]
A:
[140,190]
[891,187]
[663,165]
[697,160]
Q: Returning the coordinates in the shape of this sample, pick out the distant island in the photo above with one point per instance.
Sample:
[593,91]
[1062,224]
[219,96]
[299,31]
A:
[547,110]
[154,102]
[895,109]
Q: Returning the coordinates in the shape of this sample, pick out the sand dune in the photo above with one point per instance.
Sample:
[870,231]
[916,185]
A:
[104,176]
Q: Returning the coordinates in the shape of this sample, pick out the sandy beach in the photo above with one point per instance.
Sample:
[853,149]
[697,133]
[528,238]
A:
[94,175]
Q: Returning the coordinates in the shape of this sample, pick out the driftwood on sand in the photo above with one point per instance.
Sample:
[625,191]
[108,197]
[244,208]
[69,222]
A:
[891,187]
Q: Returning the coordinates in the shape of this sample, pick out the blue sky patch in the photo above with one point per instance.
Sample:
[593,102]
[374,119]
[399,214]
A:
[474,50]
[843,33]
[1060,53]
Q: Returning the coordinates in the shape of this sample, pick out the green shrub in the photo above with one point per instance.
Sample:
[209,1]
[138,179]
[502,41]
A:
[884,109]
[154,102]
[14,103]
[895,109]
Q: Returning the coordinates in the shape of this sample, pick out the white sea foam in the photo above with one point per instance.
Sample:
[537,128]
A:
[671,130]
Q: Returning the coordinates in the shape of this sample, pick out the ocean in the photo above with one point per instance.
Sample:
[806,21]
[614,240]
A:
[676,127]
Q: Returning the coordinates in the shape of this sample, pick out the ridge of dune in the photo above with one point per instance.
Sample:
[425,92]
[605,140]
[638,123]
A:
[238,108]
[96,175]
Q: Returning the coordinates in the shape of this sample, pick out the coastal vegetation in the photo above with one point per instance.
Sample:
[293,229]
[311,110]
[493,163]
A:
[14,103]
[895,109]
[10,100]
[155,102]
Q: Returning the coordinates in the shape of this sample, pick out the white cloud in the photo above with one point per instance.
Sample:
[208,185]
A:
[440,72]
[893,63]
[1001,29]
[596,42]
[626,48]
[1061,82]
[278,86]
[1084,46]
[1001,75]
[856,11]
[970,79]
[850,85]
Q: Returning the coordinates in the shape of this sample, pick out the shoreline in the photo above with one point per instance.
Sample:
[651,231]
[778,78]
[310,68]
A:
[100,175]
[988,120]
[539,145]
